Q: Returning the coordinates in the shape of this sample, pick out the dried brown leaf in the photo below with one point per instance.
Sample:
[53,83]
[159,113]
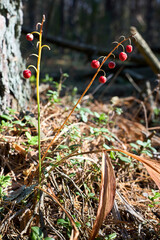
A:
[107,194]
[154,175]
[153,167]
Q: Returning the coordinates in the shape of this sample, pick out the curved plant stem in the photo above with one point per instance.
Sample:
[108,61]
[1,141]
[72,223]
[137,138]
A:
[38,99]
[105,58]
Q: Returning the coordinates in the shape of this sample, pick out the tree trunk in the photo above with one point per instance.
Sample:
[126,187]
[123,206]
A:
[14,90]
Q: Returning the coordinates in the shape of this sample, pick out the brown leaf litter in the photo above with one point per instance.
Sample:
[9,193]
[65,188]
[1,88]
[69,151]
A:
[76,182]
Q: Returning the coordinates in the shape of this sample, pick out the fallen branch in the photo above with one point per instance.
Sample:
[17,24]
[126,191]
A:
[146,51]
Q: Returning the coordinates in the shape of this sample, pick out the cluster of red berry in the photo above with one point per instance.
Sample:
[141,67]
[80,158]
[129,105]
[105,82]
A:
[27,73]
[94,64]
[122,56]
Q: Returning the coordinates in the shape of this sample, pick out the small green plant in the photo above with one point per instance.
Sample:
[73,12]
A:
[90,194]
[6,120]
[37,234]
[53,96]
[60,85]
[156,196]
[5,181]
[103,132]
[47,78]
[100,118]
[156,111]
[5,126]
[119,111]
[143,147]
[32,140]
[111,236]
[67,225]
[84,112]
[10,121]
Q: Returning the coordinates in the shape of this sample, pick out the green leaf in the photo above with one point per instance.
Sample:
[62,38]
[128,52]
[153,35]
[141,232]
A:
[140,143]
[49,238]
[11,111]
[147,152]
[88,224]
[91,195]
[65,75]
[156,111]
[78,225]
[105,130]
[28,135]
[19,123]
[96,115]
[62,221]
[5,181]
[108,138]
[111,236]
[119,111]
[63,147]
[83,116]
[123,158]
[106,146]
[112,155]
[32,79]
[134,145]
[4,116]
[103,117]
[157,195]
[36,233]
[27,118]
[86,110]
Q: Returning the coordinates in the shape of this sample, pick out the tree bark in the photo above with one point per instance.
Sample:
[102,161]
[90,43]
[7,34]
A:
[14,90]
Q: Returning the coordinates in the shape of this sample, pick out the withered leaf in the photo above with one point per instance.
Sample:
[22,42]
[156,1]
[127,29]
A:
[107,194]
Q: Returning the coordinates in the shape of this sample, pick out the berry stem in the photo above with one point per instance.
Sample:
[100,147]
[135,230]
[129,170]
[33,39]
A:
[87,88]
[38,98]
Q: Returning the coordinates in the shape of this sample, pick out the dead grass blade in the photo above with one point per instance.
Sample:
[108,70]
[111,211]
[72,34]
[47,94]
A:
[153,167]
[75,232]
[107,194]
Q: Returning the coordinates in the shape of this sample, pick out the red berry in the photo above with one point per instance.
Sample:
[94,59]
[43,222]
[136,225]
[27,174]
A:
[111,64]
[102,79]
[95,64]
[129,48]
[27,73]
[122,56]
[29,37]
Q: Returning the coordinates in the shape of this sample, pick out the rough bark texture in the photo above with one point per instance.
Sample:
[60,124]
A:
[14,90]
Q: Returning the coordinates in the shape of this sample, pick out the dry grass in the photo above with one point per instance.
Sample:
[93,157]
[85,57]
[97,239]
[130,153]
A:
[75,181]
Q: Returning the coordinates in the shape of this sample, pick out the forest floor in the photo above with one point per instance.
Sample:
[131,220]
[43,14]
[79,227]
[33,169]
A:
[123,123]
